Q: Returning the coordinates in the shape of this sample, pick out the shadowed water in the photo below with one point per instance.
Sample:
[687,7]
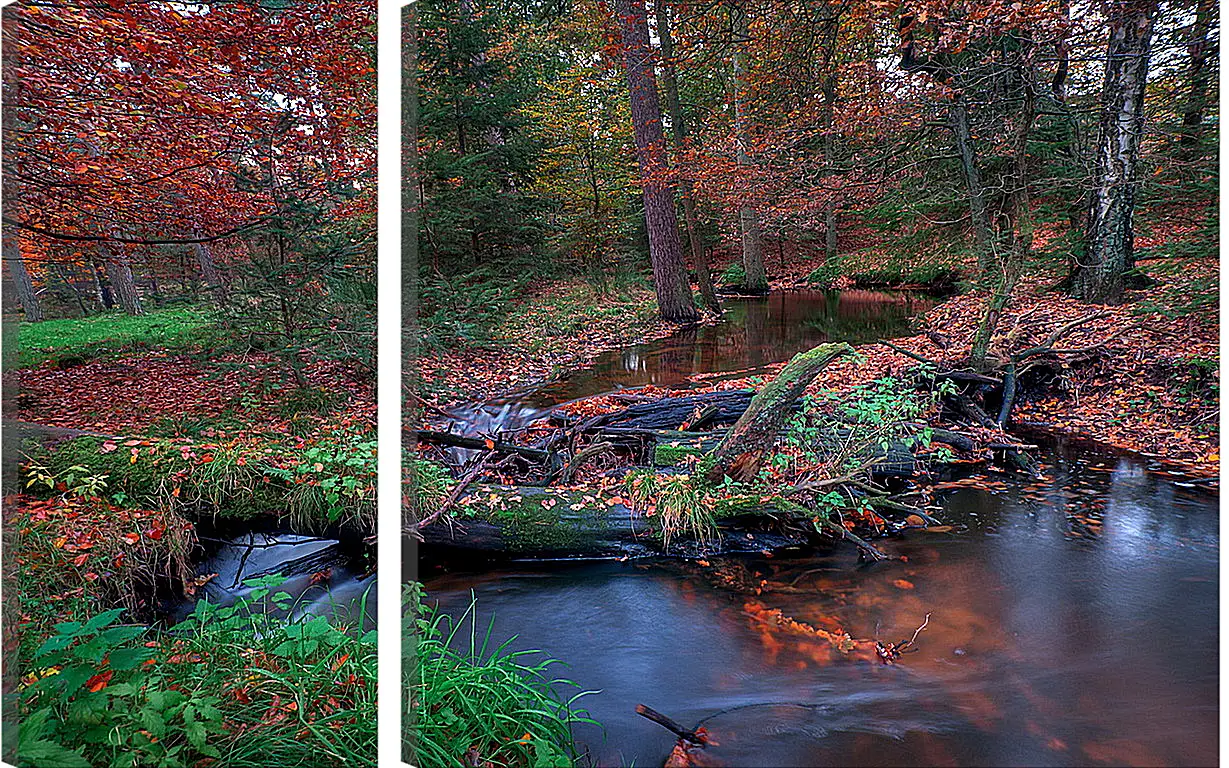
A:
[1073,622]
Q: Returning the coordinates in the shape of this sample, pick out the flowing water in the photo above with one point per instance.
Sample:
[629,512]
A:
[322,576]
[1073,620]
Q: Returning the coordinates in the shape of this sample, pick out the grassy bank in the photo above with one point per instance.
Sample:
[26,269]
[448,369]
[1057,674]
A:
[70,341]
[313,487]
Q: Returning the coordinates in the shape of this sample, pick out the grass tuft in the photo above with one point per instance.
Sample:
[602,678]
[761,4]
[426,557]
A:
[471,702]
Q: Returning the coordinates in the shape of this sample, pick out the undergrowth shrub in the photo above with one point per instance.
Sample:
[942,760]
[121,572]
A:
[227,686]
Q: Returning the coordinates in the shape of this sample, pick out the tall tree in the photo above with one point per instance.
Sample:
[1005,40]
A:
[1201,48]
[23,286]
[678,125]
[756,280]
[1100,273]
[478,158]
[665,247]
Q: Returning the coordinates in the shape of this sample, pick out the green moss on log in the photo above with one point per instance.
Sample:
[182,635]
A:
[538,520]
[666,455]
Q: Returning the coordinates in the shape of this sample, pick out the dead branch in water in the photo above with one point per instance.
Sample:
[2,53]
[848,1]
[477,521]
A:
[669,724]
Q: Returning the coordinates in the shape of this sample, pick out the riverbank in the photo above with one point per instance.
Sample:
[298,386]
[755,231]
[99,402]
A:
[1134,377]
[549,330]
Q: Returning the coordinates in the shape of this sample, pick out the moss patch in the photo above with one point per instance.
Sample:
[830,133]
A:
[667,455]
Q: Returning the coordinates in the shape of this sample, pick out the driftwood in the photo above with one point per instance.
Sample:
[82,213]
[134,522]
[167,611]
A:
[669,724]
[755,433]
[977,415]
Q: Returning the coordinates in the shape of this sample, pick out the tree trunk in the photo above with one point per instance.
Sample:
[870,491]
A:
[665,248]
[982,233]
[756,280]
[22,284]
[1062,51]
[829,123]
[1100,276]
[119,275]
[1017,231]
[1200,48]
[209,272]
[679,130]
[756,431]
[103,287]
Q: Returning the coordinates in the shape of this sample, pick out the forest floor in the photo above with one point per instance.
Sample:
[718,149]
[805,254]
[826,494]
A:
[184,407]
[553,328]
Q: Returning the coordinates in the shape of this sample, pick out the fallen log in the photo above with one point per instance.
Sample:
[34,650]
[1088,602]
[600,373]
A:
[755,433]
[481,444]
[526,521]
[722,407]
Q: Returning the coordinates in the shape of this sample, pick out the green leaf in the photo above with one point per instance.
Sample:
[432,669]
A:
[103,619]
[48,754]
[124,659]
[53,644]
[151,720]
[117,635]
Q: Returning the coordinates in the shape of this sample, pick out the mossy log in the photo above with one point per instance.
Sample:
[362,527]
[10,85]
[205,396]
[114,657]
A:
[523,521]
[756,431]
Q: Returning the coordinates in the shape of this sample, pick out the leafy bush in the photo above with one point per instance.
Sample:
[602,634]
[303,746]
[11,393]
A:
[470,702]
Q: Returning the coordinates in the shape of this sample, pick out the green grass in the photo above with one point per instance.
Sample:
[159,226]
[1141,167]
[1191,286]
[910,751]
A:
[472,702]
[81,339]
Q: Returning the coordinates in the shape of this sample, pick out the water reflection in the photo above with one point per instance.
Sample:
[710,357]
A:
[1051,642]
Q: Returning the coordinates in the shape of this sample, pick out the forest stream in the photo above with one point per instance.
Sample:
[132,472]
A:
[1072,619]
